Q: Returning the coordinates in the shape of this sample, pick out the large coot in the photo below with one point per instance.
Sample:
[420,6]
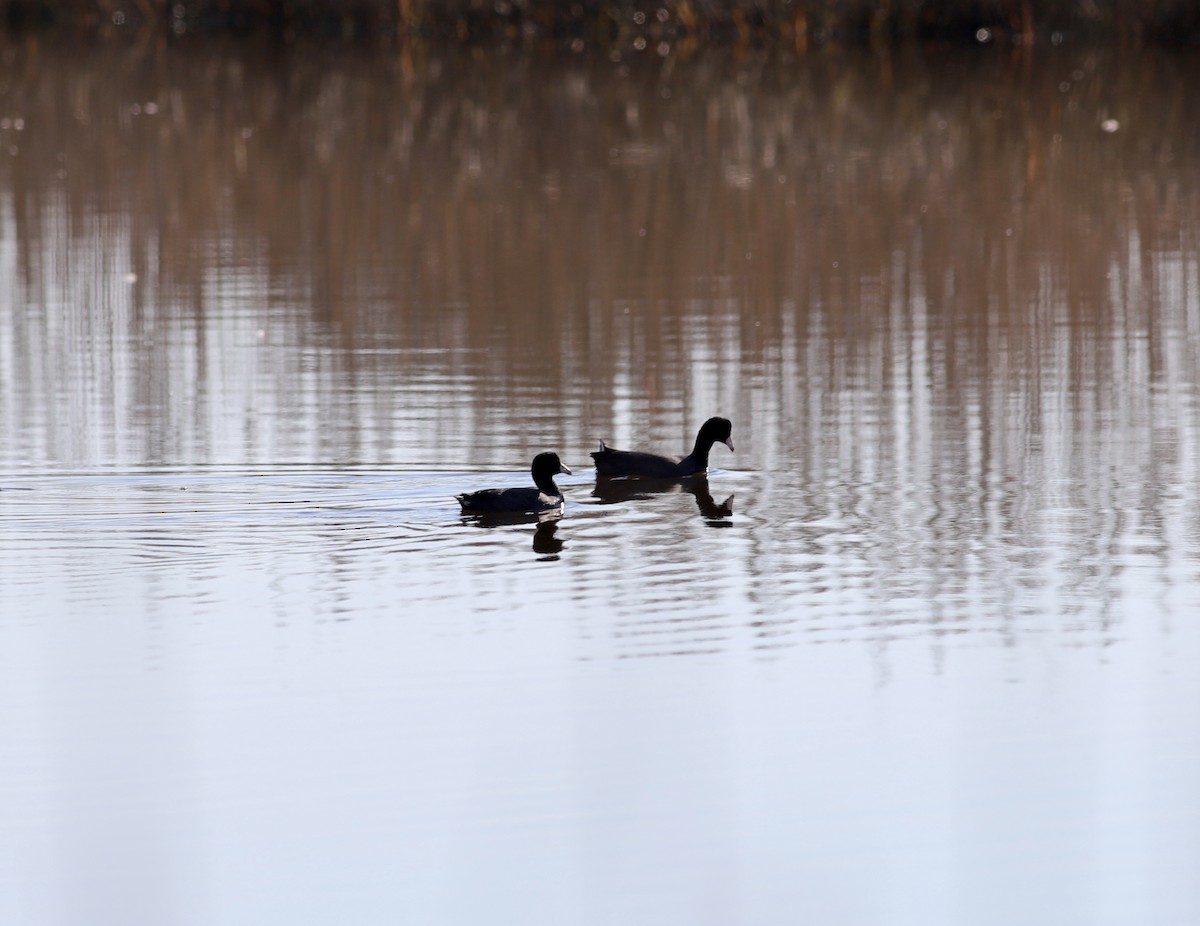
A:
[545,497]
[611,462]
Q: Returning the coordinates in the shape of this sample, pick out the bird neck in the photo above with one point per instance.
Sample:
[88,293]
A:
[546,485]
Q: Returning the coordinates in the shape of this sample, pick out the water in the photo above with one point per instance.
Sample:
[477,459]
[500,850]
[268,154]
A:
[921,651]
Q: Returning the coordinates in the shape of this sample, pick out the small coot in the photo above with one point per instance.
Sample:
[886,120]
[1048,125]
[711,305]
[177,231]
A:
[611,462]
[545,497]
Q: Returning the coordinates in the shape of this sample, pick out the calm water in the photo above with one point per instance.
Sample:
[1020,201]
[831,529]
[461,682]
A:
[923,650]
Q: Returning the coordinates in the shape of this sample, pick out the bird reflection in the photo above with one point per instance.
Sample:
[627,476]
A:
[610,491]
[545,542]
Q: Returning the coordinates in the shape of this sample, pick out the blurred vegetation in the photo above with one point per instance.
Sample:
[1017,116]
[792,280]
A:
[570,232]
[640,24]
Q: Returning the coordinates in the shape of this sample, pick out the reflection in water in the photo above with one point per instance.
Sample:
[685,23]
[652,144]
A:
[545,540]
[288,255]
[957,315]
[511,518]
[615,490]
[954,307]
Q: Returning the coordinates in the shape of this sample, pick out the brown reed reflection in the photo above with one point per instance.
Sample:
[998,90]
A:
[453,202]
[349,167]
[938,291]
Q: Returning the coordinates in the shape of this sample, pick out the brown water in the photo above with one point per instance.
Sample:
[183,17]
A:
[264,312]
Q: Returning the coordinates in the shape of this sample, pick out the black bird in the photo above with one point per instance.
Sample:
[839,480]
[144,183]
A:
[546,497]
[611,462]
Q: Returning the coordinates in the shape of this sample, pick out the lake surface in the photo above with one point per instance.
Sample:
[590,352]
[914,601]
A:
[922,650]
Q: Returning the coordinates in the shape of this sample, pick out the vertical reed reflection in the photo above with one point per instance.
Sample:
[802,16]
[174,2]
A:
[950,291]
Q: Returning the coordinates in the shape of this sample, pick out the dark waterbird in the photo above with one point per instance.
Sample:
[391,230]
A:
[611,462]
[546,497]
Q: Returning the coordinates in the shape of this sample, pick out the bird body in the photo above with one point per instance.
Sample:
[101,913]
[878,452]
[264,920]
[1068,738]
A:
[545,496]
[494,501]
[610,462]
